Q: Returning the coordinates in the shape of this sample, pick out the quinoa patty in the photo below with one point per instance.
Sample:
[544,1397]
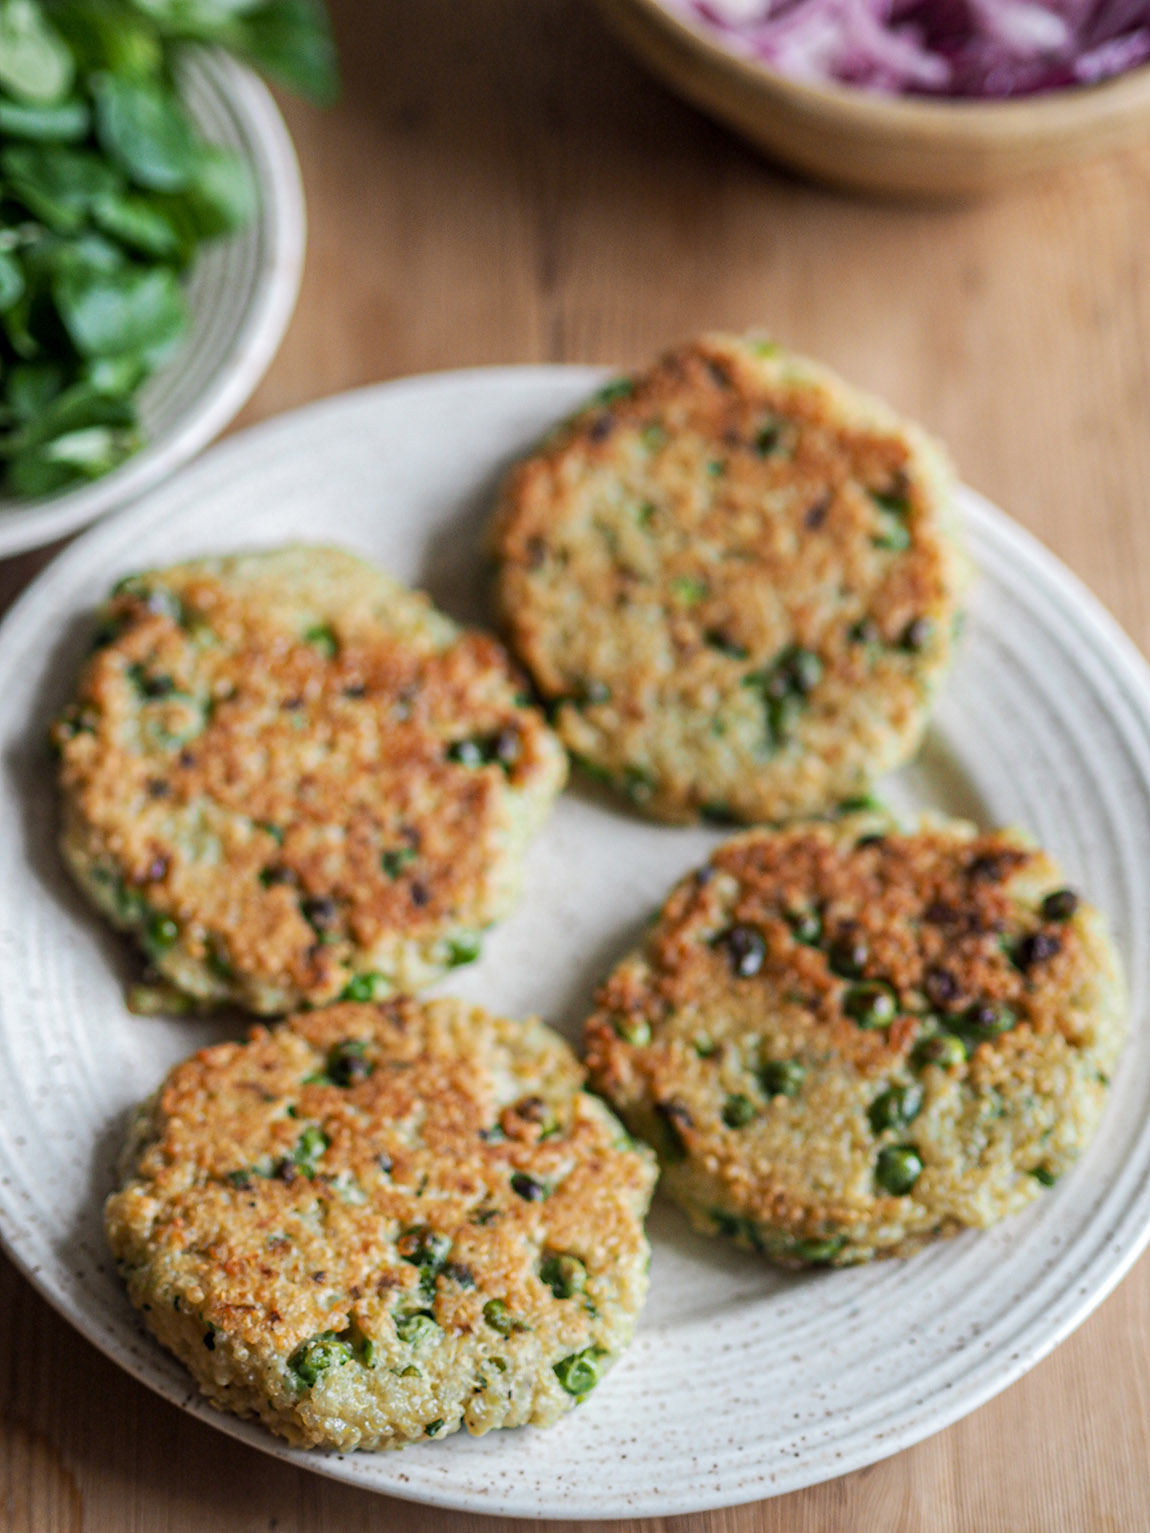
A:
[846,1040]
[732,580]
[376,1224]
[293,779]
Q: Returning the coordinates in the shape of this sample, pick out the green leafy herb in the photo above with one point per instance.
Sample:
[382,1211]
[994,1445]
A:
[893,508]
[160,934]
[35,63]
[893,536]
[785,686]
[633,1030]
[638,784]
[57,122]
[501,749]
[782,1077]
[309,1149]
[463,948]
[109,190]
[396,859]
[894,502]
[688,590]
[322,636]
[426,1250]
[723,642]
[818,1252]
[737,1227]
[216,957]
[315,1356]
[618,388]
[361,1344]
[145,132]
[371,986]
[347,1063]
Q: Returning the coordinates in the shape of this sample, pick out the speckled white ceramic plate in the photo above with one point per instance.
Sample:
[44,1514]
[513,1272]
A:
[241,295]
[742,1382]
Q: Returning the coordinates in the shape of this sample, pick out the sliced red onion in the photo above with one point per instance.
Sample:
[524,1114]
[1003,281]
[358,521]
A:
[990,48]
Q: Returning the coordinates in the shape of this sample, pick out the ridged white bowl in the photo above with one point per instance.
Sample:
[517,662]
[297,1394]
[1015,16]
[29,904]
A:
[241,296]
[742,1382]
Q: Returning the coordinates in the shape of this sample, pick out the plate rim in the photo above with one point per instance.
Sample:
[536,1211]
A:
[991,523]
[282,225]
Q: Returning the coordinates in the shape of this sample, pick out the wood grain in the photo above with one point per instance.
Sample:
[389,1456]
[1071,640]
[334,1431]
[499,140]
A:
[501,184]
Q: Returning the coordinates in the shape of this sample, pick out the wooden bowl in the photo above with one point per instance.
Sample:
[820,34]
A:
[898,146]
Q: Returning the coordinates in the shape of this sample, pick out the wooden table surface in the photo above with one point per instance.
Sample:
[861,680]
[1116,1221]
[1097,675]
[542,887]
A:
[501,184]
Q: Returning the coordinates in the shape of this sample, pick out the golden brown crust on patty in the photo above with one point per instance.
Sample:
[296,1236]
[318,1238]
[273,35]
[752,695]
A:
[384,1172]
[666,555]
[290,781]
[804,973]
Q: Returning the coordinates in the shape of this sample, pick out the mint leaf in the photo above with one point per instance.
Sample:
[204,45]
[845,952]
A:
[35,63]
[32,386]
[133,311]
[77,408]
[11,282]
[78,455]
[59,122]
[57,184]
[291,41]
[146,132]
[140,225]
[222,197]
